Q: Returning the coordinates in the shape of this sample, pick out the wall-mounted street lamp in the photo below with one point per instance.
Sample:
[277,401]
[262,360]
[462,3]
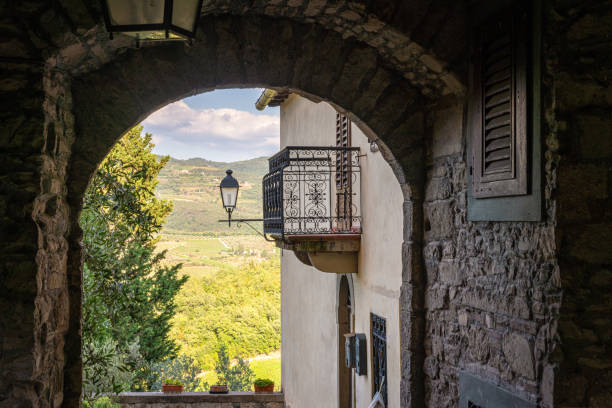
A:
[152,19]
[229,196]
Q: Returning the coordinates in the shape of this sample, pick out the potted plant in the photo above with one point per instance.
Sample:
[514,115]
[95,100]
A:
[172,385]
[219,389]
[264,385]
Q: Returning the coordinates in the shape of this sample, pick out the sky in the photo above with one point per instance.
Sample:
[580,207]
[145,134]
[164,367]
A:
[221,125]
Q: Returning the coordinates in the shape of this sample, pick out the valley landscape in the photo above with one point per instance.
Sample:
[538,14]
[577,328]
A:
[232,297]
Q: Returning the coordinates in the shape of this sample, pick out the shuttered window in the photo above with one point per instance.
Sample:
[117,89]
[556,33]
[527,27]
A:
[343,173]
[499,107]
[343,139]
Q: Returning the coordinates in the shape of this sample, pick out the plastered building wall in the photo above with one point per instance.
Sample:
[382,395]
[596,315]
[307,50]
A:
[309,297]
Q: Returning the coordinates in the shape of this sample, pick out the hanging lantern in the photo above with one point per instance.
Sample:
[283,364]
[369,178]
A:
[152,19]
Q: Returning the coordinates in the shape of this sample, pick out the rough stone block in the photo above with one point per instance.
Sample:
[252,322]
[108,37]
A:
[595,132]
[519,354]
[591,243]
[438,189]
[447,131]
[439,220]
[449,272]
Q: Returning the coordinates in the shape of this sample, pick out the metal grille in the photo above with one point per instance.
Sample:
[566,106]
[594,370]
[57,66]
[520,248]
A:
[379,354]
[300,194]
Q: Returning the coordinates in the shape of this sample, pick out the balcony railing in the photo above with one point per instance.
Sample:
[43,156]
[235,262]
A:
[312,191]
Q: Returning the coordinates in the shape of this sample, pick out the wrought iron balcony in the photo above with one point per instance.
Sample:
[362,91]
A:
[312,191]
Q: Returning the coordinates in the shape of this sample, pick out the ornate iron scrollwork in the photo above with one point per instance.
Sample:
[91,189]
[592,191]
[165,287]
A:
[302,194]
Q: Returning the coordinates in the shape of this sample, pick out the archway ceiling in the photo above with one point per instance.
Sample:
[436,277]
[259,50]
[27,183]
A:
[421,39]
[235,51]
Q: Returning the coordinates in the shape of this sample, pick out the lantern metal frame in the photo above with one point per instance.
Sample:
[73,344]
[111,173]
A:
[229,182]
[166,26]
[230,209]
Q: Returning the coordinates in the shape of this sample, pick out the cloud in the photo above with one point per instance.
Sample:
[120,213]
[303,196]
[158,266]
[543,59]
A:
[217,134]
[181,122]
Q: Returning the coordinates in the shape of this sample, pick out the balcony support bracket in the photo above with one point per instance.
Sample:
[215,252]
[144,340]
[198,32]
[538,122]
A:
[328,253]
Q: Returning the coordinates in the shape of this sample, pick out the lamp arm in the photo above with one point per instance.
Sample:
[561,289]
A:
[246,221]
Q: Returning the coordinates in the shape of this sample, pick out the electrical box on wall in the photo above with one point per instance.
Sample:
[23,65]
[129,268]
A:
[361,354]
[349,349]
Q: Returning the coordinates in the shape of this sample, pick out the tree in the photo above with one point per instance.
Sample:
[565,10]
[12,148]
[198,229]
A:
[184,368]
[129,292]
[238,377]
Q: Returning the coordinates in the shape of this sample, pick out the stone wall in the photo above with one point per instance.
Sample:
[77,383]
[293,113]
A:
[526,305]
[580,73]
[492,288]
[36,140]
[21,141]
[200,400]
[494,291]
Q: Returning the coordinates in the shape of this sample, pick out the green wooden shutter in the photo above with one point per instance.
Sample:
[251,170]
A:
[498,94]
[343,174]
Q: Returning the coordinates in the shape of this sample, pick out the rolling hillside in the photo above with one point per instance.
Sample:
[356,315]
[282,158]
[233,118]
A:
[232,297]
[193,186]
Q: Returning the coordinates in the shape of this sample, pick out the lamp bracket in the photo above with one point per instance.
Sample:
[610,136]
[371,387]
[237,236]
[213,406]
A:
[247,221]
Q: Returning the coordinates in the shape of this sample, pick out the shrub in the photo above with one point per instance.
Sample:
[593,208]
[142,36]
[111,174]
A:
[263,382]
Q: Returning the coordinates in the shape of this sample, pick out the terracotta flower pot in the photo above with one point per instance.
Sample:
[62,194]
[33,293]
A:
[267,388]
[172,388]
[219,389]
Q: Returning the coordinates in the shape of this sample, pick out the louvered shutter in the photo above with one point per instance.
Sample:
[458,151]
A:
[499,108]
[343,172]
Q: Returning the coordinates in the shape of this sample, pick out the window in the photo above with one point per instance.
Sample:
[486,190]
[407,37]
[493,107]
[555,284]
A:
[343,173]
[379,355]
[499,99]
[345,323]
[504,114]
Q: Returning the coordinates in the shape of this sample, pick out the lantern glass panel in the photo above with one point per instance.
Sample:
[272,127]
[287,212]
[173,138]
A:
[229,196]
[136,12]
[184,13]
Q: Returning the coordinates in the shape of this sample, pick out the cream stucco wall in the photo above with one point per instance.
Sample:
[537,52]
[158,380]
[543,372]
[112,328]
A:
[308,297]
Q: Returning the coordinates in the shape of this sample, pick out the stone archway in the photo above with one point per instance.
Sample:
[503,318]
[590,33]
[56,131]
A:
[237,52]
[405,57]
[85,91]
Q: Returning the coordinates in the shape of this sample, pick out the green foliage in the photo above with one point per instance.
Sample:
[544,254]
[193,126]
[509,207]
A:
[102,402]
[172,381]
[263,382]
[108,368]
[237,376]
[128,292]
[182,368]
[231,301]
[235,306]
[268,368]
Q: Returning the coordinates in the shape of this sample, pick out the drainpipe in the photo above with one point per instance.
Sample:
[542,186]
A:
[265,98]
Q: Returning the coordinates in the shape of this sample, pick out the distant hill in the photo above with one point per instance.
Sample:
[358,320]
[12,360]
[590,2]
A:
[193,186]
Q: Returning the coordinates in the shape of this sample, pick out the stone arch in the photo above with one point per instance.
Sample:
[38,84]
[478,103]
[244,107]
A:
[53,46]
[238,52]
[242,52]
